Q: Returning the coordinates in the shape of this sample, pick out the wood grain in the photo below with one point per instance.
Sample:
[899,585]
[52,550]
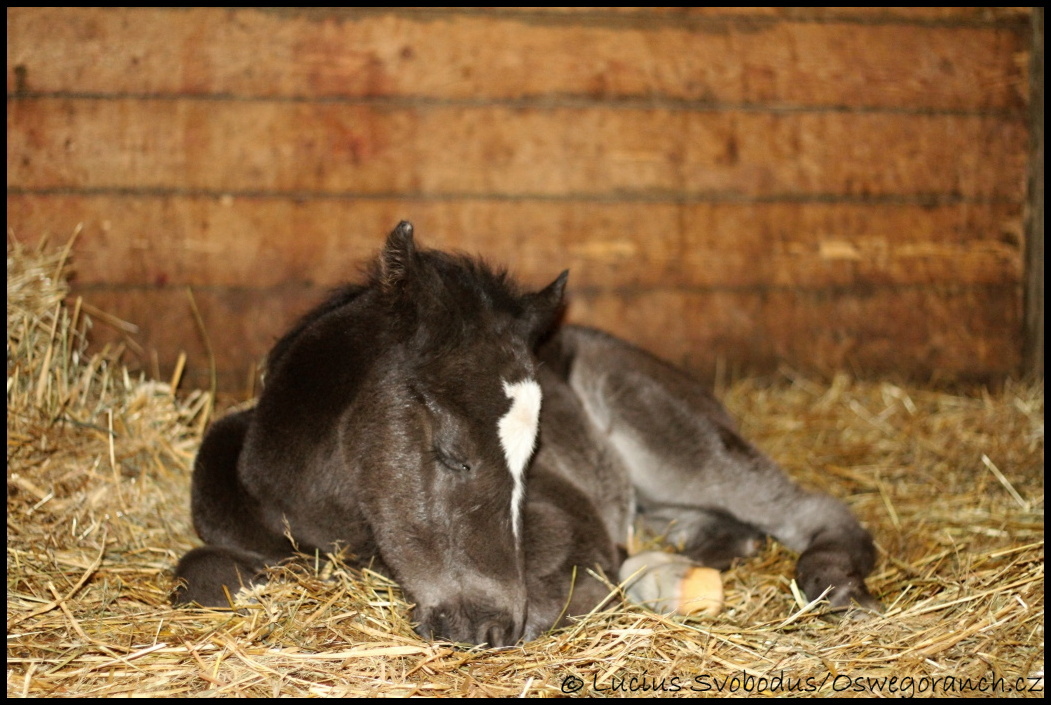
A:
[819,187]
[265,242]
[847,57]
[300,149]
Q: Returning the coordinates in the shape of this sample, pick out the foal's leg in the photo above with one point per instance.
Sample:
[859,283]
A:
[564,544]
[685,457]
[578,504]
[238,546]
[711,537]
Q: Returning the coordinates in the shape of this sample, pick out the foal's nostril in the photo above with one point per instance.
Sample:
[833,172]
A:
[467,626]
[498,634]
[432,624]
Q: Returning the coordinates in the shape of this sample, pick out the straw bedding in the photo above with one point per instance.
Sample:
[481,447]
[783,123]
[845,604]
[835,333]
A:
[98,465]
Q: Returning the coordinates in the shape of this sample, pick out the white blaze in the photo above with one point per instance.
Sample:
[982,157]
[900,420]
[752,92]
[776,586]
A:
[518,429]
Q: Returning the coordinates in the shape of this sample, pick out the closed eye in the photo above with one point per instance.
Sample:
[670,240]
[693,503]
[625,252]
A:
[451,462]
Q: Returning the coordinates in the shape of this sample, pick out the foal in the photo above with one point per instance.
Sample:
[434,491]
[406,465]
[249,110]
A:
[433,422]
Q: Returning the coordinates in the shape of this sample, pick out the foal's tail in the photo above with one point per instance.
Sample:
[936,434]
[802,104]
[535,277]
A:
[228,519]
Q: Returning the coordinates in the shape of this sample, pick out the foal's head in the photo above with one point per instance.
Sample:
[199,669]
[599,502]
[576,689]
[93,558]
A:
[445,434]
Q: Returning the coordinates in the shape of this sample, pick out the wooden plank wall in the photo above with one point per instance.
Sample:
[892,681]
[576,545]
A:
[1033,297]
[826,188]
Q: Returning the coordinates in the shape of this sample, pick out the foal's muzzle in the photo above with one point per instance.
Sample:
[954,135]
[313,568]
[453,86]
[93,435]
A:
[470,624]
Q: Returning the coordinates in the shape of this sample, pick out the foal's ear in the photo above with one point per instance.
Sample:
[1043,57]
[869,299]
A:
[397,256]
[541,309]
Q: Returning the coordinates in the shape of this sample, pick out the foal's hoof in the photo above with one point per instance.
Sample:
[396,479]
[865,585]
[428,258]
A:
[672,584]
[854,604]
[836,571]
[849,599]
[209,576]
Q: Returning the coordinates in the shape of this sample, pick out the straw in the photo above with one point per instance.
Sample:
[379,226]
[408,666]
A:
[949,481]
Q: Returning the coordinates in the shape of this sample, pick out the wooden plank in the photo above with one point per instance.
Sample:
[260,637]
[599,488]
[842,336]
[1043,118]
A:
[240,326]
[916,333]
[261,242]
[919,333]
[814,58]
[978,15]
[300,148]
